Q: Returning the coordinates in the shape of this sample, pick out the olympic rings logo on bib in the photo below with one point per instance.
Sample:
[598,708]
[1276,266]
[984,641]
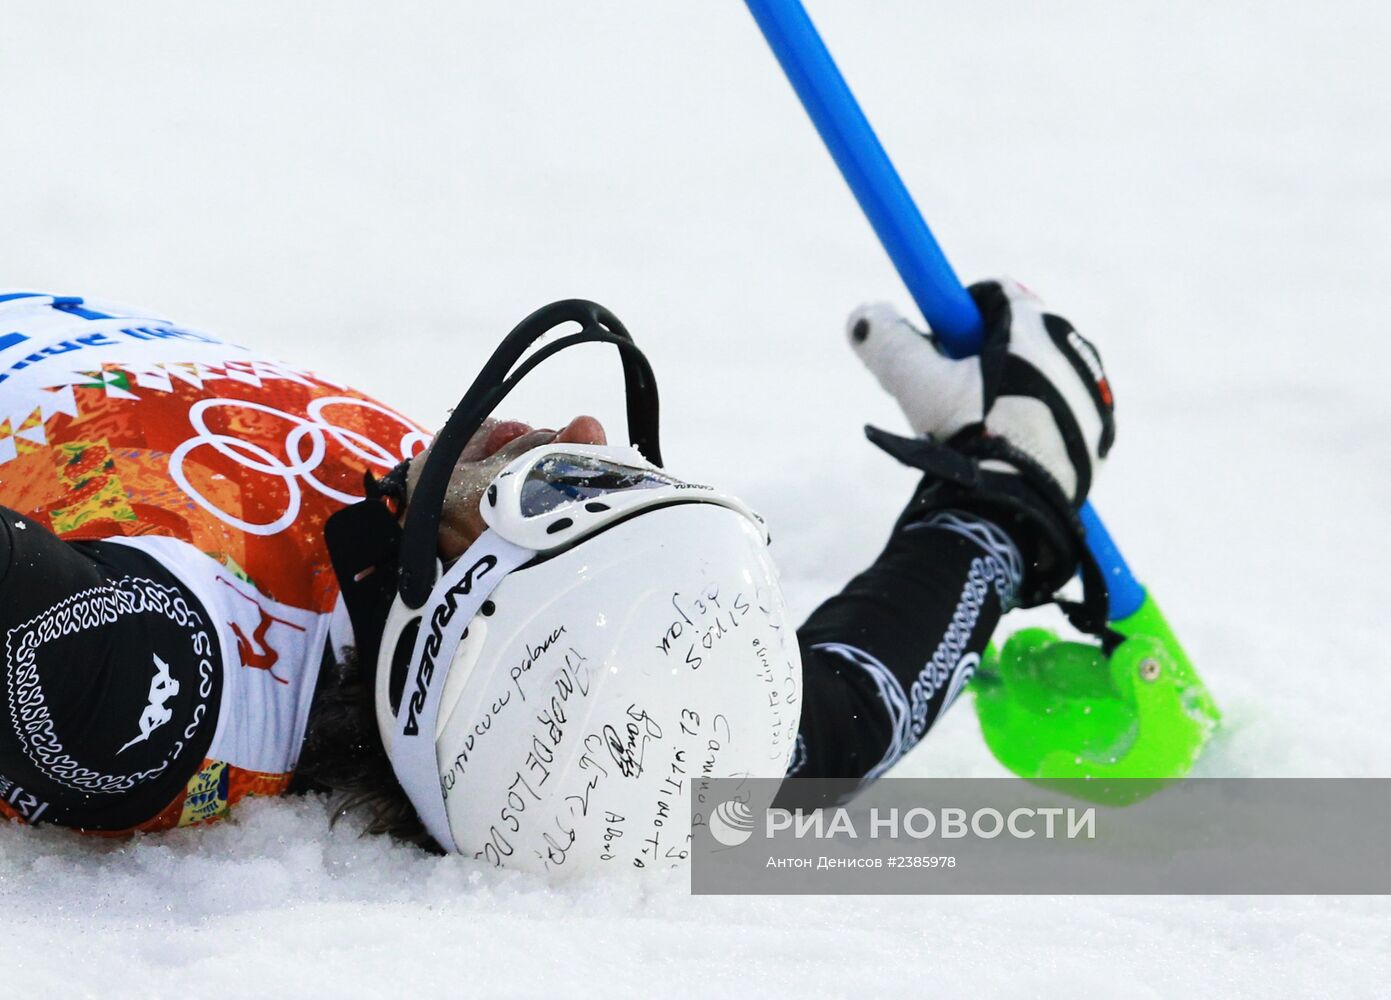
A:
[305,448]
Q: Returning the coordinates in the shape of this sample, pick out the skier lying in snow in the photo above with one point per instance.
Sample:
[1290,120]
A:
[178,636]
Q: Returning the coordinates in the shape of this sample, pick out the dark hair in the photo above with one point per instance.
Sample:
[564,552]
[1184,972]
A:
[343,755]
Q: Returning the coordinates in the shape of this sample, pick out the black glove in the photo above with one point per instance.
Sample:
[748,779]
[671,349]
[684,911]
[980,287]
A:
[1016,434]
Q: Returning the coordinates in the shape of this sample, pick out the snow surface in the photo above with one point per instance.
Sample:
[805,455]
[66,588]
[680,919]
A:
[379,191]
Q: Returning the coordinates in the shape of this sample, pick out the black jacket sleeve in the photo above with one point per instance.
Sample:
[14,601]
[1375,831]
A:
[110,685]
[886,656]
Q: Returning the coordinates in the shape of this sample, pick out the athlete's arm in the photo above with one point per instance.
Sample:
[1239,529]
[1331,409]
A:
[1009,444]
[109,681]
[884,658]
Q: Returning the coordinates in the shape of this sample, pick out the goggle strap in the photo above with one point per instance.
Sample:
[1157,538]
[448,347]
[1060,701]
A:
[488,390]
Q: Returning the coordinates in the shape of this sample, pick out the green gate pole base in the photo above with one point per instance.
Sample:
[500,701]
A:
[1063,715]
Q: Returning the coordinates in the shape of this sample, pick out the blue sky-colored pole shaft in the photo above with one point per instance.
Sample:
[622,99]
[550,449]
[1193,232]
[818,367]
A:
[935,288]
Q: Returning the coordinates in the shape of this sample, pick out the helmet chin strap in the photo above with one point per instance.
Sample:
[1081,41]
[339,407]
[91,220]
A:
[442,620]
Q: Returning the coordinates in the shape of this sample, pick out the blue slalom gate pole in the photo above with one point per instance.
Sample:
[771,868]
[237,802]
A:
[938,292]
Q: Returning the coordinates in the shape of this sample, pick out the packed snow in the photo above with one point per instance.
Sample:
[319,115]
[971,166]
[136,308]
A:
[379,191]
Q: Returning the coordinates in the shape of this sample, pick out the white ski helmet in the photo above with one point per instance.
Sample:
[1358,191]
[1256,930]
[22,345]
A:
[616,638]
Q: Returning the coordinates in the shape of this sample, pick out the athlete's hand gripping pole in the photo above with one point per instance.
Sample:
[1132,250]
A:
[1034,713]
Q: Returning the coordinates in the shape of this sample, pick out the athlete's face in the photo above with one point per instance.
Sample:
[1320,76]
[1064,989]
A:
[497,443]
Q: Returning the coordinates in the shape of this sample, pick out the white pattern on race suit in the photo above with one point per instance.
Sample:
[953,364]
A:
[890,692]
[90,609]
[948,666]
[989,537]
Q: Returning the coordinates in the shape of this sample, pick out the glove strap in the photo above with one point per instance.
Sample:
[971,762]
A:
[1028,503]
